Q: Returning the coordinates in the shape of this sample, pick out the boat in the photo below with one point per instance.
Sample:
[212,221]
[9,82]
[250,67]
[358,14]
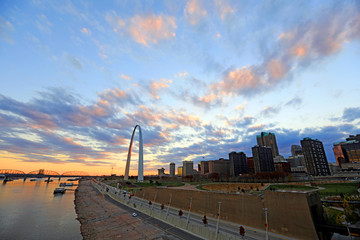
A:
[59,190]
[32,180]
[69,184]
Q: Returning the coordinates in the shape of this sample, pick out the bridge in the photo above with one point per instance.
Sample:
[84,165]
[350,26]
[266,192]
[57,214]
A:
[41,173]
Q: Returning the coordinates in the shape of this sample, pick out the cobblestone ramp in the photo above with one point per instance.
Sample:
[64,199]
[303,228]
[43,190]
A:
[101,219]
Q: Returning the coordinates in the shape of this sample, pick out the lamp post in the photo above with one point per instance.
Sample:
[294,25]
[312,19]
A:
[167,211]
[266,224]
[188,216]
[152,207]
[217,223]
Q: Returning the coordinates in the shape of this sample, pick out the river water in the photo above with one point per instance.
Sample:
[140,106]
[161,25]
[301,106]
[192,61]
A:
[30,210]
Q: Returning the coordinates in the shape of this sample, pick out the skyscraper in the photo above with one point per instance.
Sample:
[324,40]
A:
[263,159]
[188,168]
[296,150]
[268,139]
[172,169]
[238,163]
[315,158]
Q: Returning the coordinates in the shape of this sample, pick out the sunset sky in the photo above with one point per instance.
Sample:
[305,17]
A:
[202,78]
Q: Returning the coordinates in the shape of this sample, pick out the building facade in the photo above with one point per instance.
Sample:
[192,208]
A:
[180,171]
[268,139]
[238,163]
[315,158]
[296,150]
[204,166]
[172,169]
[188,167]
[221,166]
[161,172]
[263,159]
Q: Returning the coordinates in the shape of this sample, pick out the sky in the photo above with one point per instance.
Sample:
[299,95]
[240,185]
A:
[201,78]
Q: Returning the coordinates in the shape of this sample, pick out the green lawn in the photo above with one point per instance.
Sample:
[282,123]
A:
[154,184]
[338,188]
[290,187]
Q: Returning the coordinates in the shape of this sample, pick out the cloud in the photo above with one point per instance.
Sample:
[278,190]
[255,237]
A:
[351,114]
[123,76]
[86,31]
[194,11]
[268,111]
[74,61]
[296,101]
[5,28]
[299,47]
[155,87]
[145,29]
[224,8]
[43,24]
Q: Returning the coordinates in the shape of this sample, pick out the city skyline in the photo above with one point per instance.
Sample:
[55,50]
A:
[201,78]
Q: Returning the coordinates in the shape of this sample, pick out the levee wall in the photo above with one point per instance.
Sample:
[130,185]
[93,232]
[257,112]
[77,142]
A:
[289,213]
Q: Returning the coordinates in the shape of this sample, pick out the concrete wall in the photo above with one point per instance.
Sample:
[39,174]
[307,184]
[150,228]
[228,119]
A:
[289,213]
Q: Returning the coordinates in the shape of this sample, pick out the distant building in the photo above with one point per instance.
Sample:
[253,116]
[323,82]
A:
[334,168]
[188,167]
[172,169]
[279,158]
[347,154]
[296,161]
[296,150]
[268,139]
[339,155]
[354,137]
[351,151]
[161,172]
[180,171]
[221,166]
[250,162]
[315,158]
[282,167]
[238,163]
[204,165]
[199,167]
[263,159]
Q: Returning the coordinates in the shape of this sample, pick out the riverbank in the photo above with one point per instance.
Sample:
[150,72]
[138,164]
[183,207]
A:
[101,219]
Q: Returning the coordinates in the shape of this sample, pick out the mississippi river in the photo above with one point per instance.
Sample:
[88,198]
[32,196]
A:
[30,210]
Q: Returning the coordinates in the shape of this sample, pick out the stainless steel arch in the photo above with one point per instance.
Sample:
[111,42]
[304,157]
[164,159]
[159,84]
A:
[141,160]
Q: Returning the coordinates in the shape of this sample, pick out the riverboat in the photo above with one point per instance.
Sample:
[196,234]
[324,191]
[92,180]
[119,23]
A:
[59,190]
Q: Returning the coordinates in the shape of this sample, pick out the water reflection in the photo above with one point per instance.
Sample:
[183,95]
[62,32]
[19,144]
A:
[30,210]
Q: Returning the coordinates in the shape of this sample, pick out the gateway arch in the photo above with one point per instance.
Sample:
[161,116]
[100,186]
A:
[141,160]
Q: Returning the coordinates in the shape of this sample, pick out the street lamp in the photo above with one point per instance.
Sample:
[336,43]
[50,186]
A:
[217,223]
[266,224]
[187,220]
[167,211]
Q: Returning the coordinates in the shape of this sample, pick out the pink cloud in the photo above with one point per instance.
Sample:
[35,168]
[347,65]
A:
[194,11]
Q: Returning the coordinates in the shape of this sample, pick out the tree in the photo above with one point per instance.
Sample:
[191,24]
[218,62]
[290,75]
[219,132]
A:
[150,202]
[162,206]
[180,213]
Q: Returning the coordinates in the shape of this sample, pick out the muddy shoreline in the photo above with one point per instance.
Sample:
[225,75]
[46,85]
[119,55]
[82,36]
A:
[101,219]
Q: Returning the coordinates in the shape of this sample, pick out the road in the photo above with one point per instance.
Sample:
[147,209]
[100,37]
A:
[224,226]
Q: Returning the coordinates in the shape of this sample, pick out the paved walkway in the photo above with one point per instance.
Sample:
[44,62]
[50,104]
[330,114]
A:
[101,219]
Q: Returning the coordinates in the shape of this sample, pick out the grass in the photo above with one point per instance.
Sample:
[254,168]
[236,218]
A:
[290,187]
[338,188]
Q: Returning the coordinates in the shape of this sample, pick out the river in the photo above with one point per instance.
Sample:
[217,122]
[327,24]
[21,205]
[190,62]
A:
[30,210]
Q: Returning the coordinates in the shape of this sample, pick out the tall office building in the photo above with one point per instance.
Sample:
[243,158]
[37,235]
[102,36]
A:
[347,154]
[268,140]
[161,172]
[180,171]
[188,168]
[204,165]
[315,158]
[263,159]
[238,163]
[221,166]
[296,150]
[172,169]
